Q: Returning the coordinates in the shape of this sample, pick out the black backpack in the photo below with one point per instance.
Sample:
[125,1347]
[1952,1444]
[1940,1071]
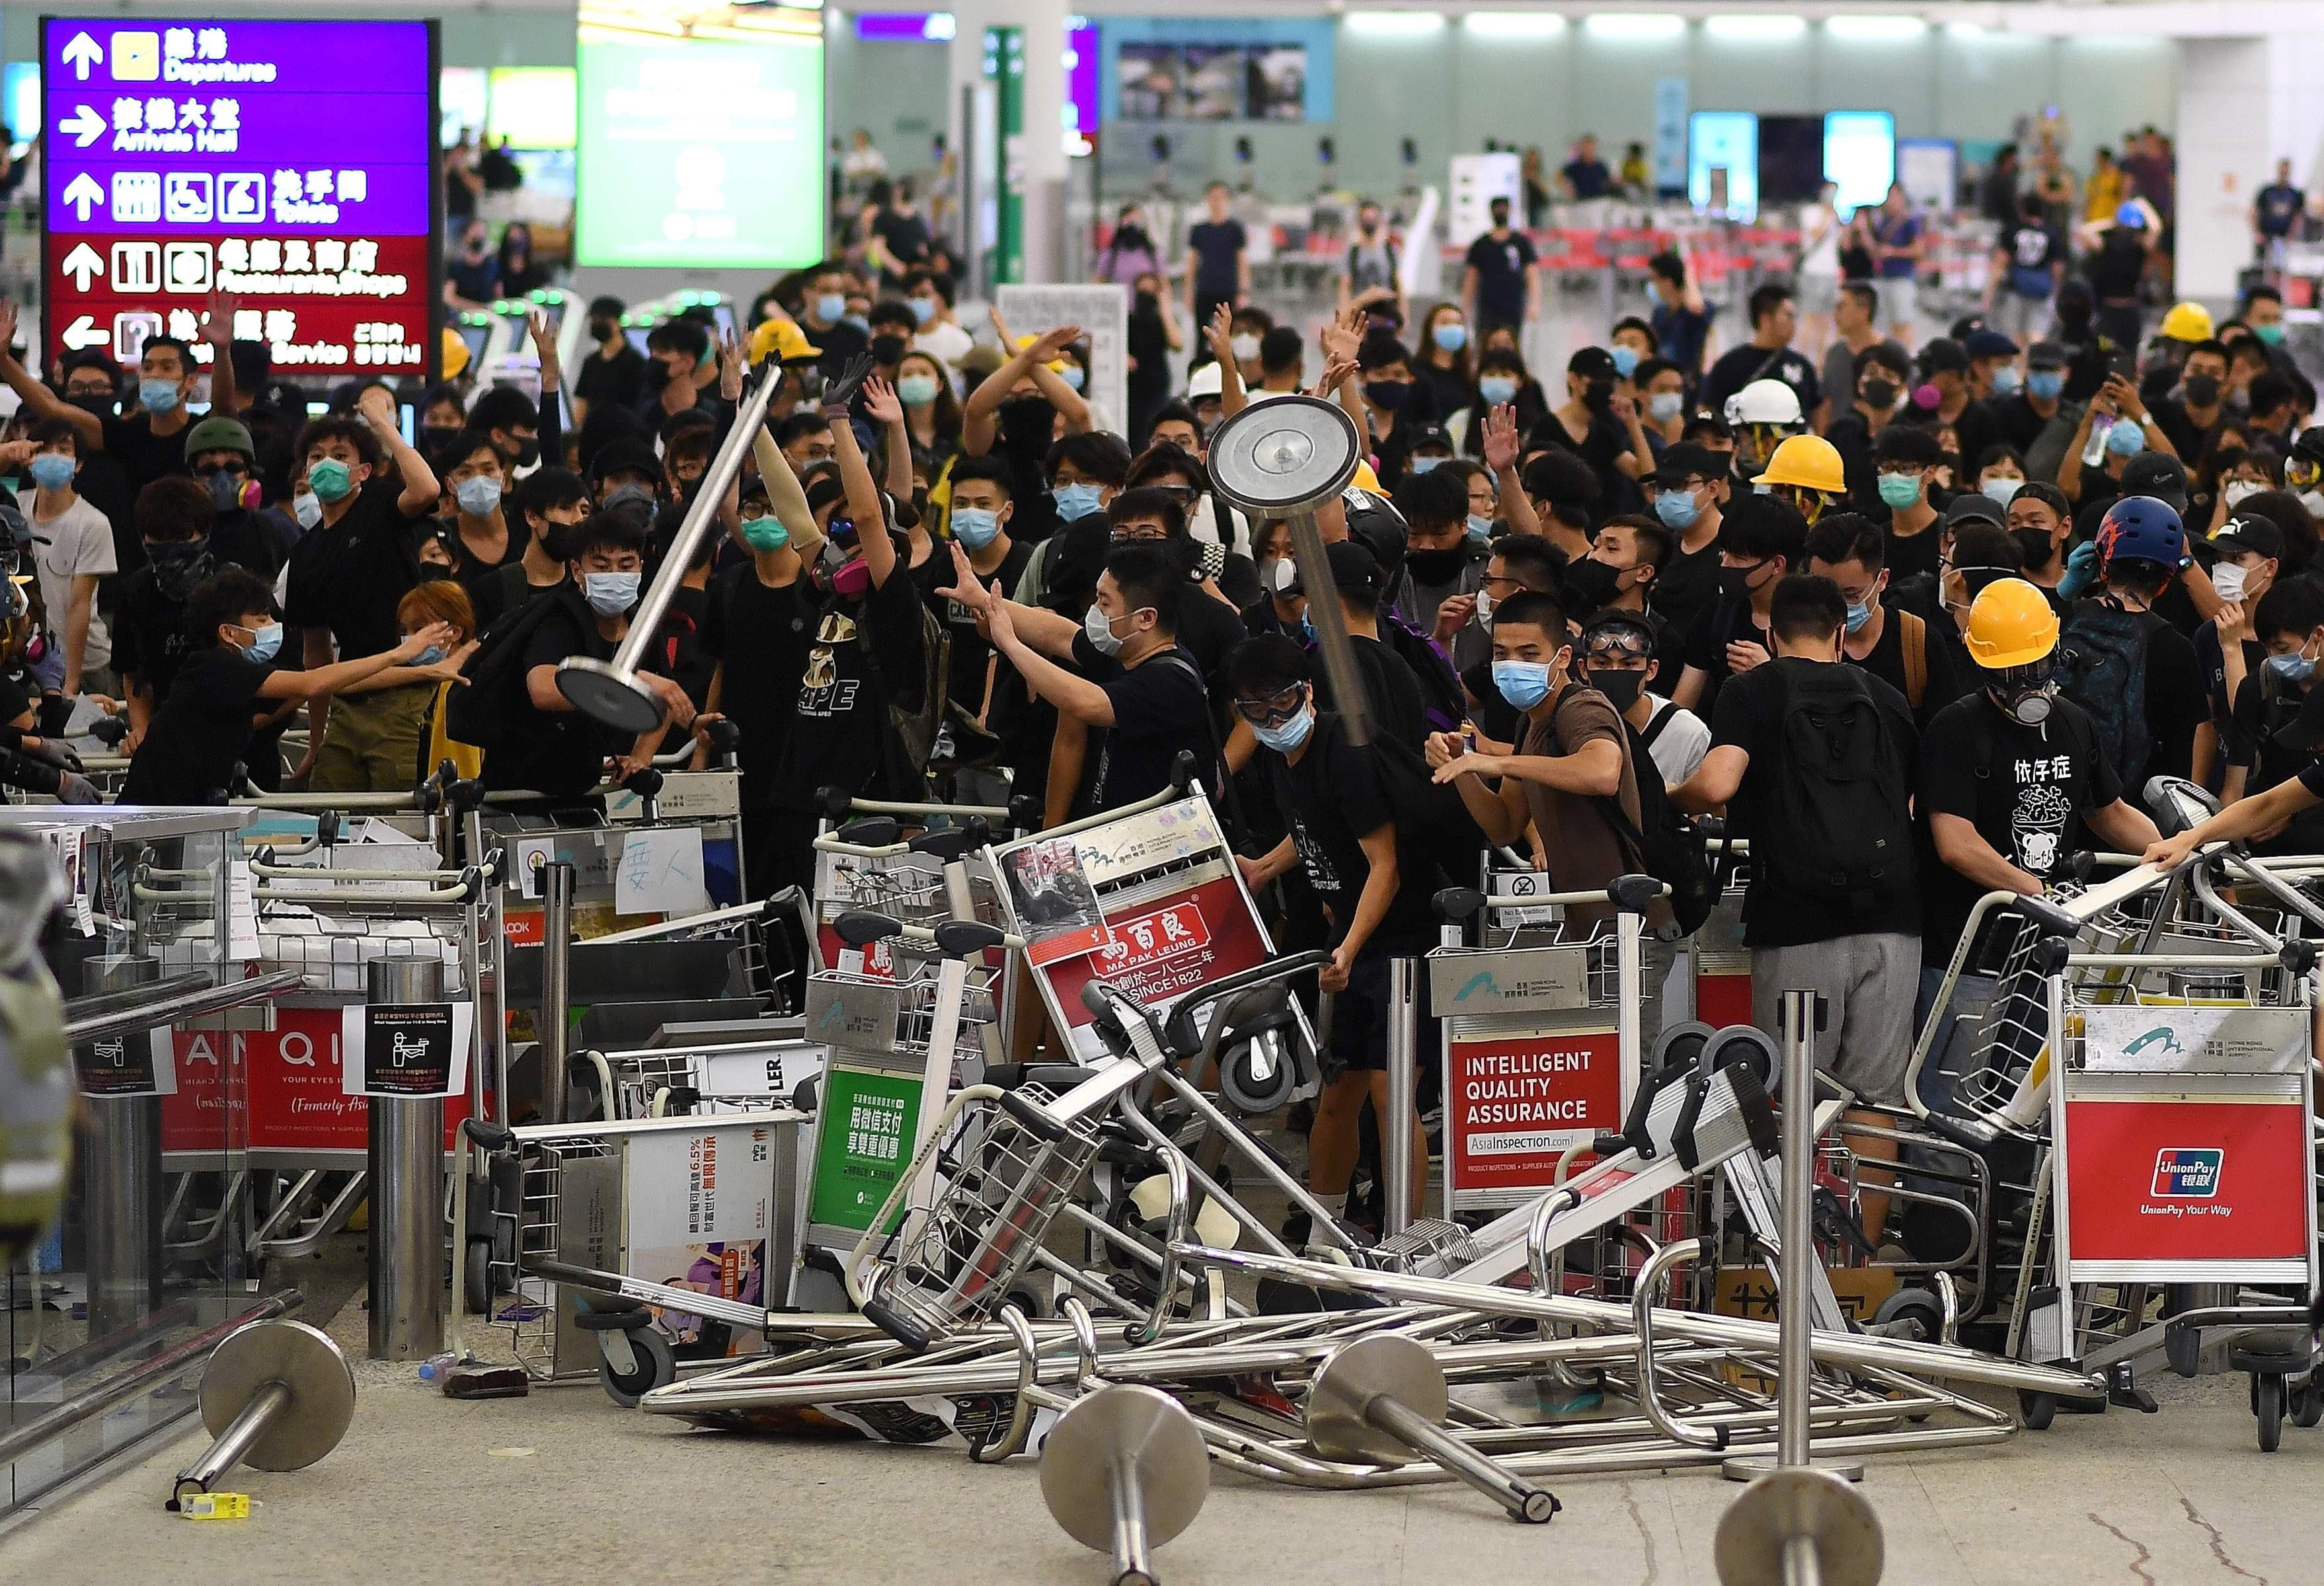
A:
[1442,703]
[478,713]
[1667,843]
[1838,829]
[2105,649]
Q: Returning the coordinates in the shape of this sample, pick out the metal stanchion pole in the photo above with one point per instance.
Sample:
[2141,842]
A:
[556,994]
[1803,1013]
[1402,1087]
[407,1189]
[121,1180]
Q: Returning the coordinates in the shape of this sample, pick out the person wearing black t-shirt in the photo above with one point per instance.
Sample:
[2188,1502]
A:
[2010,776]
[614,372]
[1119,671]
[983,507]
[823,315]
[865,658]
[202,729]
[1014,411]
[547,504]
[1218,262]
[1500,283]
[1761,538]
[149,442]
[178,519]
[553,749]
[1359,839]
[1865,960]
[347,575]
[2142,547]
[903,236]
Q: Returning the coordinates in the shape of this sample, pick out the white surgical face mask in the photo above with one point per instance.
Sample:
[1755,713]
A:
[2227,578]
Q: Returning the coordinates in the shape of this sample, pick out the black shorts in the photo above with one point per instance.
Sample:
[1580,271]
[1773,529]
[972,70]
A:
[1359,1016]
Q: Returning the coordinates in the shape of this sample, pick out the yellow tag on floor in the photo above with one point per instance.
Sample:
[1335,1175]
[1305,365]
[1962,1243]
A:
[217,1506]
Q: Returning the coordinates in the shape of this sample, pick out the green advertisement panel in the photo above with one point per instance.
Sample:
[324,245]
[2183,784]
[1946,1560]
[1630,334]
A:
[863,1143]
[699,153]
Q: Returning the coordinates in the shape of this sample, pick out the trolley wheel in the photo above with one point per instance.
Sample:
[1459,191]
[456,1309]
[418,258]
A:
[2183,1348]
[656,1366]
[476,1276]
[2037,1410]
[2267,1404]
[2307,1404]
[1917,1306]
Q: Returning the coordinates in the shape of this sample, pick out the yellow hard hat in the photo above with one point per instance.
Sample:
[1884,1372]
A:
[1366,479]
[2188,321]
[455,353]
[1808,460]
[782,340]
[2011,624]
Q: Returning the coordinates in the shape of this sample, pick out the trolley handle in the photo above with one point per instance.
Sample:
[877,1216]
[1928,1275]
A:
[1181,1037]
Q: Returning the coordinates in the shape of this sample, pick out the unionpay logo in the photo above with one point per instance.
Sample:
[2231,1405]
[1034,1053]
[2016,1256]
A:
[2187,1173]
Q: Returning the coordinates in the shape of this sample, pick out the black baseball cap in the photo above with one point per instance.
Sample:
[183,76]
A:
[1431,435]
[1943,353]
[1974,508]
[1982,342]
[2156,473]
[2046,354]
[1689,461]
[1593,364]
[1355,571]
[2251,532]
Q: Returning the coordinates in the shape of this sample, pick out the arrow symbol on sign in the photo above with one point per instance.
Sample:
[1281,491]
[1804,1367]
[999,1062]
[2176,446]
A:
[81,54]
[83,333]
[82,194]
[82,263]
[84,124]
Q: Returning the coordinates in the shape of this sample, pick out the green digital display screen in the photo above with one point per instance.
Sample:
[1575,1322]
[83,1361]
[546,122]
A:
[703,154]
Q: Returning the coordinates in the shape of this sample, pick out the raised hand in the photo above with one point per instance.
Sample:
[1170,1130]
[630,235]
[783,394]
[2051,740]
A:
[731,367]
[882,403]
[1220,334]
[842,390]
[1500,437]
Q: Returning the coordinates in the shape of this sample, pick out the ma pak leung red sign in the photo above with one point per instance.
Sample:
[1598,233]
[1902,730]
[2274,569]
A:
[292,165]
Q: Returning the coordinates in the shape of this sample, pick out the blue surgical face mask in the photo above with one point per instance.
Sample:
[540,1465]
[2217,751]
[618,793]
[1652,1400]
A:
[1626,360]
[308,509]
[1076,501]
[1286,736]
[1524,684]
[610,594]
[2292,669]
[265,644]
[1664,406]
[1075,378]
[1676,509]
[1899,491]
[917,391]
[1496,389]
[2005,380]
[923,308]
[160,396]
[975,527]
[2044,384]
[830,305]
[2125,438]
[1858,615]
[1452,338]
[478,496]
[51,470]
[428,657]
[2001,489]
[1422,465]
[1479,526]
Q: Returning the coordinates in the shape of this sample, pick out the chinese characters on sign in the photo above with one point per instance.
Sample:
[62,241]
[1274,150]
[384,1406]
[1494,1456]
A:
[231,157]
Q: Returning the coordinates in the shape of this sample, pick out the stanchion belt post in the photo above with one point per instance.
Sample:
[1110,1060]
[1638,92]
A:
[1403,1088]
[121,1180]
[556,987]
[407,1190]
[1802,1016]
[1381,1399]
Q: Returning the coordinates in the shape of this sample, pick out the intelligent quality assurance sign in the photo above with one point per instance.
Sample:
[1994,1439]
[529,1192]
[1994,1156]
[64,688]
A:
[292,164]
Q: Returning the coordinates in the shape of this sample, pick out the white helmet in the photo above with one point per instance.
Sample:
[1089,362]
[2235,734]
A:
[1765,402]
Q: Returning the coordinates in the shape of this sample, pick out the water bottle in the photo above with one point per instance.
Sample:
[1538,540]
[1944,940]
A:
[2094,454]
[436,1367]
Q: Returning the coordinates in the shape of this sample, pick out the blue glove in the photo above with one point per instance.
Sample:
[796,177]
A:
[2081,570]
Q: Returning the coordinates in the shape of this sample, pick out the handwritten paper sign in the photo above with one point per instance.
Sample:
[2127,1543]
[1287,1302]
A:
[660,872]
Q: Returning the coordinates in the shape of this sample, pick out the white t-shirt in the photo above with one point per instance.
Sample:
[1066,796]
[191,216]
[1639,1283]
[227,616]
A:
[78,540]
[1820,253]
[1679,748]
[945,341]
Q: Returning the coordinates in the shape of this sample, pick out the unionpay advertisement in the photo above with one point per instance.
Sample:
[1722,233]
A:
[702,152]
[290,164]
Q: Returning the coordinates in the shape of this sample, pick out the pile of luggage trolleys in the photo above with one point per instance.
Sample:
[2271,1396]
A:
[1068,1255]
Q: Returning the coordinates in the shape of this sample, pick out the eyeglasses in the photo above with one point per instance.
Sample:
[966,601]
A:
[237,467]
[1273,708]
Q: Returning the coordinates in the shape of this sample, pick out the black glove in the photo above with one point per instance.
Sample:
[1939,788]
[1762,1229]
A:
[841,391]
[57,752]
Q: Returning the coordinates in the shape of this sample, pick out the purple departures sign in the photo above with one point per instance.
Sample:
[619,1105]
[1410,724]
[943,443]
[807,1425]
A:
[292,165]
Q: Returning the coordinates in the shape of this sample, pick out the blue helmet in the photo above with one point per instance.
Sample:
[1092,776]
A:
[2132,216]
[2141,529]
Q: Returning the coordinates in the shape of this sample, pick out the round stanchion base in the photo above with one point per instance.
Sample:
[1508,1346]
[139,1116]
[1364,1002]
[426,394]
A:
[615,697]
[304,1359]
[1800,1503]
[1751,1467]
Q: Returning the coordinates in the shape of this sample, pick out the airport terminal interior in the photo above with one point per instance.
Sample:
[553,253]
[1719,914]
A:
[1096,793]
